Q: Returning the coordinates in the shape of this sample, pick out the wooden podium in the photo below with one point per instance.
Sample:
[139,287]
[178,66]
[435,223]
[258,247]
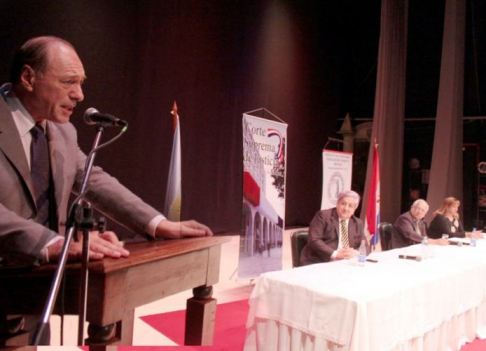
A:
[153,271]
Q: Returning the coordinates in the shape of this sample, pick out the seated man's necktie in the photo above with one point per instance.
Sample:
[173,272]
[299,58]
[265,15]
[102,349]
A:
[39,171]
[344,235]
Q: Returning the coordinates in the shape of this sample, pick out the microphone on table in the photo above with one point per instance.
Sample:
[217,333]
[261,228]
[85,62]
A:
[93,116]
[408,257]
[458,243]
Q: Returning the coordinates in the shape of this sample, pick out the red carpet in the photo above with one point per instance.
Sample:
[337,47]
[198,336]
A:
[476,345]
[229,329]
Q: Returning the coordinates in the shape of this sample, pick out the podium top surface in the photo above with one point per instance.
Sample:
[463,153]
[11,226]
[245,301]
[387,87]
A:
[140,253]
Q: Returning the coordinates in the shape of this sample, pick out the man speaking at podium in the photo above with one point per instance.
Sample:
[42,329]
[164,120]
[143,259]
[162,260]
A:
[41,164]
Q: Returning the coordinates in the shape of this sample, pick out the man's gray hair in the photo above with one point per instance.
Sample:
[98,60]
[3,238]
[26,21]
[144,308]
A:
[349,193]
[420,201]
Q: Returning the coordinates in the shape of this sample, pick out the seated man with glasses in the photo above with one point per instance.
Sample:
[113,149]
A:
[410,227]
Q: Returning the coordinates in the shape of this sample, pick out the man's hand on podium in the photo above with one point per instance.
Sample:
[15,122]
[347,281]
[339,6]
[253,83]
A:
[100,245]
[175,230]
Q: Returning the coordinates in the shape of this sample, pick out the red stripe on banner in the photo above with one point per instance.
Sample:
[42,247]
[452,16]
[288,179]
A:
[251,190]
[372,210]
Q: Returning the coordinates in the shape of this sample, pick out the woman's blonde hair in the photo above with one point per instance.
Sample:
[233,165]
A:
[448,201]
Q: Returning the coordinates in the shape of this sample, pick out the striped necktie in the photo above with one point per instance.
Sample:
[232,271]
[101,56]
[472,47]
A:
[344,235]
[39,171]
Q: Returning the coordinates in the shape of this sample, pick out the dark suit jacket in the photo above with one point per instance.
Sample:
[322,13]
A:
[404,233]
[324,236]
[20,235]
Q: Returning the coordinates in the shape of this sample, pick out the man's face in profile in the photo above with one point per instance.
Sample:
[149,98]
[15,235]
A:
[56,91]
[346,207]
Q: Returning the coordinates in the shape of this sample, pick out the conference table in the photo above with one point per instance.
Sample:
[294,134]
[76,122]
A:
[437,303]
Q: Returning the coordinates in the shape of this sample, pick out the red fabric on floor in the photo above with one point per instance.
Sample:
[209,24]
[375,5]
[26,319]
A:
[476,345]
[229,329]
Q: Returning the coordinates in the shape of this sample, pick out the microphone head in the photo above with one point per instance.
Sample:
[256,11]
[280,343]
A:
[87,115]
[93,116]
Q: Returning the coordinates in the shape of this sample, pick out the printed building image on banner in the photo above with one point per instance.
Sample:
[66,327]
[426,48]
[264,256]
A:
[337,172]
[263,215]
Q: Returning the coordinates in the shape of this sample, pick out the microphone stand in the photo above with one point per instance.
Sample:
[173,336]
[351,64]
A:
[71,229]
[86,225]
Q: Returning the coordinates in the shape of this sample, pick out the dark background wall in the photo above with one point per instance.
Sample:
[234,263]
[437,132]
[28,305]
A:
[308,62]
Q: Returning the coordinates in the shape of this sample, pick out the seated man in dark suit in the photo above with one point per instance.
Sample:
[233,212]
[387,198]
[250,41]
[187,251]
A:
[335,233]
[410,227]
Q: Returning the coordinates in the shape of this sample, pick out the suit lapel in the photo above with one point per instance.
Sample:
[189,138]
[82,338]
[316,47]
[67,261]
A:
[335,223]
[11,146]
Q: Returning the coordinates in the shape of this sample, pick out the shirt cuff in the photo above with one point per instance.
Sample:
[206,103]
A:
[44,254]
[152,226]
[333,256]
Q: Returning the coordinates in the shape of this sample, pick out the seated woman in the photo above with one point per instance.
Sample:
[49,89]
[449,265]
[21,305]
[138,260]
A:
[446,221]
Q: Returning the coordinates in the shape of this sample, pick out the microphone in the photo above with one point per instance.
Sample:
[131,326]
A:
[458,243]
[93,116]
[408,257]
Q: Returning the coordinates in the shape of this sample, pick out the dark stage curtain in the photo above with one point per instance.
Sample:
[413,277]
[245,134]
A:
[217,61]
[446,170]
[388,119]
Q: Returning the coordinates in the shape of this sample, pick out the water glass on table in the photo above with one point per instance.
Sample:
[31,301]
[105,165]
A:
[472,240]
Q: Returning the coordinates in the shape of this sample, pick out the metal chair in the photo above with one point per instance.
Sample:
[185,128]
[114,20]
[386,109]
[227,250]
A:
[386,230]
[298,240]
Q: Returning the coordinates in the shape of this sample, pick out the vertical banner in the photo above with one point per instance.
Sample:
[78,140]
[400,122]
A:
[337,171]
[263,215]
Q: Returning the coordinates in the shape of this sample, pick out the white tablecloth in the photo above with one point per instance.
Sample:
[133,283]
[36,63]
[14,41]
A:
[394,304]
